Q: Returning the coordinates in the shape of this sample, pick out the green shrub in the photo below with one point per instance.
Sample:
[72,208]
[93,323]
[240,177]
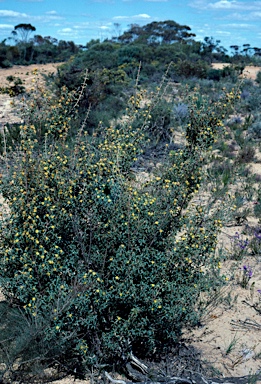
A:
[186,68]
[50,114]
[9,138]
[206,118]
[254,100]
[218,74]
[6,64]
[258,77]
[246,154]
[102,263]
[14,89]
[255,129]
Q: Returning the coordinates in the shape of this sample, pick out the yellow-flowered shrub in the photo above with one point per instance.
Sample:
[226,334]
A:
[100,263]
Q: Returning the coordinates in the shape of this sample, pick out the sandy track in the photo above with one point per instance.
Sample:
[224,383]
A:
[25,73]
[250,72]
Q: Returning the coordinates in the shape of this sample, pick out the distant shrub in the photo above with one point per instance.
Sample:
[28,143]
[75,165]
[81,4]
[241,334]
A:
[214,74]
[186,68]
[6,64]
[258,77]
[219,74]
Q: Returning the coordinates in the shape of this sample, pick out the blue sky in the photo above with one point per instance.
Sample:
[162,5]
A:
[231,21]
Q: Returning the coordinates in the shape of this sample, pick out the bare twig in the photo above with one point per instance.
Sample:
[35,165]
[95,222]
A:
[138,76]
[113,380]
[82,89]
[248,323]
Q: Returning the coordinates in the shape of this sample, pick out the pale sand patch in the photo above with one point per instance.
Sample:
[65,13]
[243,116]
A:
[25,73]
[250,72]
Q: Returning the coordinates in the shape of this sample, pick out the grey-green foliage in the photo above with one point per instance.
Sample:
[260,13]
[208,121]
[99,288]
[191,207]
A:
[255,128]
[98,264]
[253,101]
[24,351]
[258,77]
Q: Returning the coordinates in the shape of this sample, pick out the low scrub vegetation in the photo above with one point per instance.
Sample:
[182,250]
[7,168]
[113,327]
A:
[110,231]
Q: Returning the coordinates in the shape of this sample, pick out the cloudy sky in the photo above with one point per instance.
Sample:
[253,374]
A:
[231,21]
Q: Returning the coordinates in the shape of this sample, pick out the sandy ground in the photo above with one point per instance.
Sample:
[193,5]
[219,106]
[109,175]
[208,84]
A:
[249,72]
[25,73]
[29,76]
[230,335]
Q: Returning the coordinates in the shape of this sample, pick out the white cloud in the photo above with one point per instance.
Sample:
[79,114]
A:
[226,33]
[244,16]
[238,25]
[83,26]
[7,13]
[227,5]
[69,34]
[51,13]
[223,4]
[45,18]
[143,16]
[136,17]
[256,14]
[6,26]
[104,27]
[48,17]
[66,30]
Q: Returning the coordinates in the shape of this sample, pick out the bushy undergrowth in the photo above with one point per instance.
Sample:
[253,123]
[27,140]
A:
[97,262]
[15,86]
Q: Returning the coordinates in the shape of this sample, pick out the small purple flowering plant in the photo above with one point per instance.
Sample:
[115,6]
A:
[247,274]
[257,234]
[240,245]
[255,242]
[258,304]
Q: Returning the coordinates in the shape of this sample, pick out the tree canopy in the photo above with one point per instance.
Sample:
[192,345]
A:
[162,32]
[24,31]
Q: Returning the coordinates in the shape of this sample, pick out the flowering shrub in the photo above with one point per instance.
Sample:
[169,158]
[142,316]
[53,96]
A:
[15,86]
[103,264]
[206,118]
